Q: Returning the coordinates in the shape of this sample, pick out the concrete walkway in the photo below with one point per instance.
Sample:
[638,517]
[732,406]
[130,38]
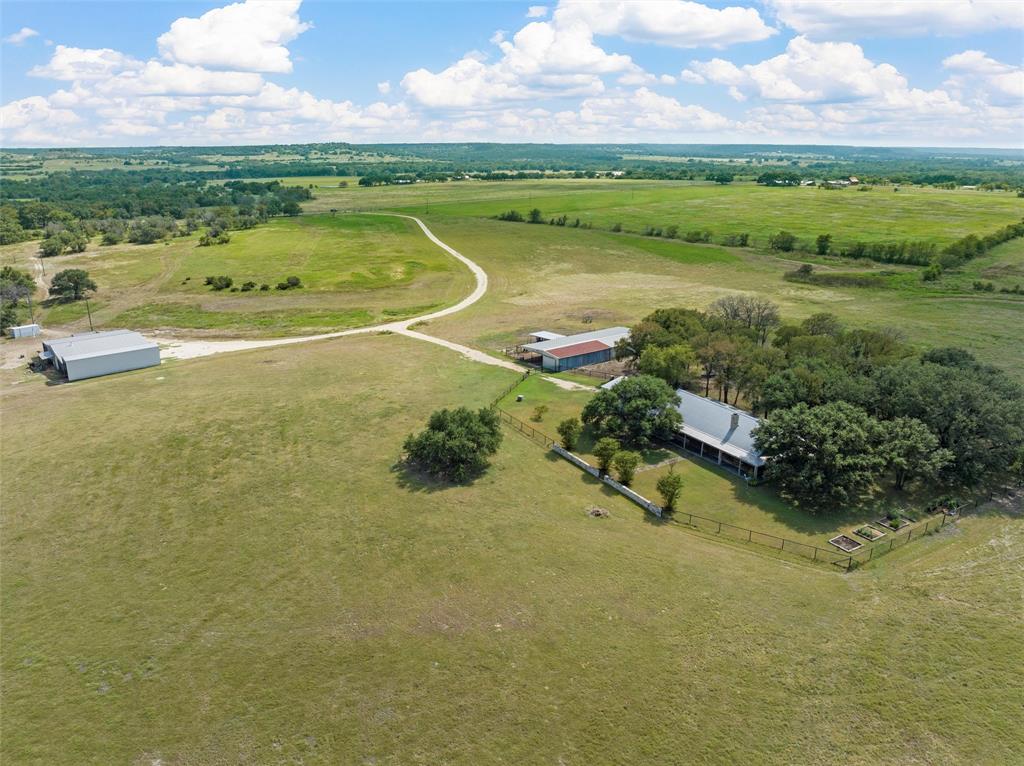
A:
[191,349]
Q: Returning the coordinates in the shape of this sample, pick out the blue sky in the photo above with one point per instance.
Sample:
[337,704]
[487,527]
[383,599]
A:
[913,72]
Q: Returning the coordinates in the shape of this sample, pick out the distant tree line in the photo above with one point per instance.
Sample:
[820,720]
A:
[982,168]
[71,205]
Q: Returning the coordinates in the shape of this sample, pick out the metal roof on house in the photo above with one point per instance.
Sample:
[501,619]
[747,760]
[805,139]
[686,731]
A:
[90,344]
[712,423]
[578,349]
[608,336]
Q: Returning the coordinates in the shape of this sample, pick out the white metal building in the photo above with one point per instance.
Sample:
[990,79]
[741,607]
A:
[91,354]
[24,331]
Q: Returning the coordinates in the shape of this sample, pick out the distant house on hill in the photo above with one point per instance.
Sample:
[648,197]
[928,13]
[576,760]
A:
[567,352]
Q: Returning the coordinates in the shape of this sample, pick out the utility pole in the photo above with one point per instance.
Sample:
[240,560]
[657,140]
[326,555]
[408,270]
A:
[89,312]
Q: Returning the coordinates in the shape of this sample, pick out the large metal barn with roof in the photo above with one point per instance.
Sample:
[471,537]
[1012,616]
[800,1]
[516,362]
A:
[91,354]
[567,352]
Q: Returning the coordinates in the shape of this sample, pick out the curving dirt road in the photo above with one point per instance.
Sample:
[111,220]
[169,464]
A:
[191,349]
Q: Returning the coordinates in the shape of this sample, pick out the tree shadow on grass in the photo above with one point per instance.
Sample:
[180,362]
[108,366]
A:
[413,479]
[810,520]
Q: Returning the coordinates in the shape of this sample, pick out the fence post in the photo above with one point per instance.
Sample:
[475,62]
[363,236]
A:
[815,552]
[783,546]
[719,529]
[943,522]
[909,533]
[892,542]
[749,533]
[849,563]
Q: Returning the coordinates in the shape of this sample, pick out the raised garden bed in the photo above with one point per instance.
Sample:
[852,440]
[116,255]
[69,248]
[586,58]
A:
[845,544]
[892,525]
[869,533]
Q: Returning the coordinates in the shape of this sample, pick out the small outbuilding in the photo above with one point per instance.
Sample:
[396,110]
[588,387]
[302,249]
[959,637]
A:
[721,433]
[24,331]
[567,352]
[91,354]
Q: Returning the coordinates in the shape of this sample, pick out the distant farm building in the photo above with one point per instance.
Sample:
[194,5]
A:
[720,433]
[91,354]
[567,352]
[24,331]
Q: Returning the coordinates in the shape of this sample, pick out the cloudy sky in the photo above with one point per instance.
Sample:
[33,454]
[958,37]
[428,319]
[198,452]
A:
[886,72]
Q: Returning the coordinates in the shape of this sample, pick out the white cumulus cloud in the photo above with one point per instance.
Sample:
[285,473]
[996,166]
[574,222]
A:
[156,78]
[979,76]
[536,12]
[19,37]
[543,58]
[69,63]
[820,72]
[850,18]
[677,23]
[249,36]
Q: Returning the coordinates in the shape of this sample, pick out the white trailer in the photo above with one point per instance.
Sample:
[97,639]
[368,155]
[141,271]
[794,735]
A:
[24,331]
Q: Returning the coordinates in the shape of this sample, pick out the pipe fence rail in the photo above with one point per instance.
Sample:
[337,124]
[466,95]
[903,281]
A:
[509,389]
[539,437]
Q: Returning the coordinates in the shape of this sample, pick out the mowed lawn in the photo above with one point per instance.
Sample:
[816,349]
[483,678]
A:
[849,215]
[216,561]
[355,270]
[711,492]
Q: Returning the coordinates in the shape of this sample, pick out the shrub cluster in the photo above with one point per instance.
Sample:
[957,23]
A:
[219,283]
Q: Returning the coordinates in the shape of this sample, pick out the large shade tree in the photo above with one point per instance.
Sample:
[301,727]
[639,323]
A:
[912,451]
[821,456]
[455,444]
[71,284]
[976,412]
[637,411]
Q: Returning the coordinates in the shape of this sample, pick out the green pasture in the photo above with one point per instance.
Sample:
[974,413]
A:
[355,270]
[219,561]
[571,280]
[912,213]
